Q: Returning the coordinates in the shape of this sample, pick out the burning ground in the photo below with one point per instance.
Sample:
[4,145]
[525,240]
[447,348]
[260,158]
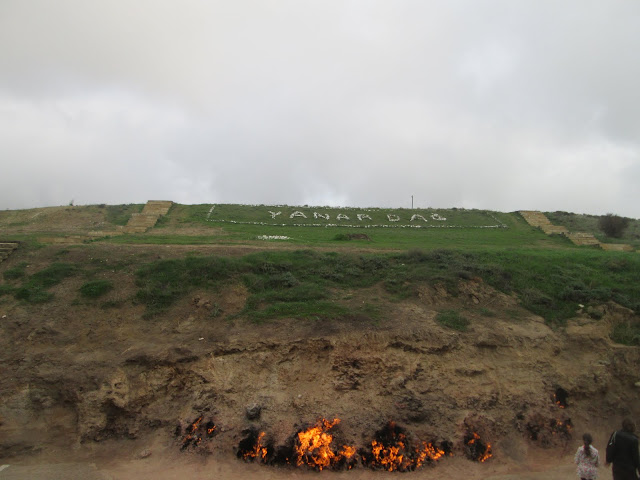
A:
[399,394]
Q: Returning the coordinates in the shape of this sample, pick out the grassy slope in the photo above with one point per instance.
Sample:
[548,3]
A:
[463,233]
[550,276]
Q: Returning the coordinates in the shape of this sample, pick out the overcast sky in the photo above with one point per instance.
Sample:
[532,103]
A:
[501,105]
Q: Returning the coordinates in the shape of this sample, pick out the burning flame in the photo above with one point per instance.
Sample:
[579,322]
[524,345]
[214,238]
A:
[560,397]
[258,451]
[392,452]
[194,434]
[314,449]
[562,427]
[478,450]
[428,451]
[389,457]
[191,436]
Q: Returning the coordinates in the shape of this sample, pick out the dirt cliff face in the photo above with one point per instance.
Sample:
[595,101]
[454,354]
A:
[75,374]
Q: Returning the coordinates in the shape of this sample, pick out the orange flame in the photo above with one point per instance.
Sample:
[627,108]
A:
[258,450]
[560,426]
[196,432]
[393,452]
[191,433]
[429,451]
[483,456]
[315,449]
[389,457]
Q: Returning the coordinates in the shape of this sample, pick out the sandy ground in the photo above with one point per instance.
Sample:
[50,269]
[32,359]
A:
[169,467]
[121,461]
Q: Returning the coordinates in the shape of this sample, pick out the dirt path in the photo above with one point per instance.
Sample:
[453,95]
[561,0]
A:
[207,468]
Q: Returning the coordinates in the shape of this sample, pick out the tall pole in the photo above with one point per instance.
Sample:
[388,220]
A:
[411,202]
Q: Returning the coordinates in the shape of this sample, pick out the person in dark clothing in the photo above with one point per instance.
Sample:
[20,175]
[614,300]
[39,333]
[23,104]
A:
[622,452]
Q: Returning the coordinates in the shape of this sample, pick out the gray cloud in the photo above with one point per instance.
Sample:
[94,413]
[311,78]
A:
[498,105]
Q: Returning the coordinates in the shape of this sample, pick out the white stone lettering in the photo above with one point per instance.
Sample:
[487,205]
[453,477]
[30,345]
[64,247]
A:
[321,215]
[342,216]
[393,218]
[362,216]
[435,216]
[274,214]
[417,216]
[297,213]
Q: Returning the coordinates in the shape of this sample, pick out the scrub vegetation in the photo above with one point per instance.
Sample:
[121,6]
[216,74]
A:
[298,284]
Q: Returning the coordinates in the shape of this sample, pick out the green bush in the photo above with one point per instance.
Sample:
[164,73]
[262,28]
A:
[627,333]
[52,275]
[96,288]
[452,319]
[163,282]
[613,225]
[15,272]
[33,294]
[6,290]
[35,288]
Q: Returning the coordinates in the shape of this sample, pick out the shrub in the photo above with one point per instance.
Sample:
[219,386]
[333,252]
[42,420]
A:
[5,290]
[414,255]
[15,272]
[534,297]
[33,294]
[452,319]
[34,290]
[282,280]
[96,288]
[52,275]
[613,225]
[627,333]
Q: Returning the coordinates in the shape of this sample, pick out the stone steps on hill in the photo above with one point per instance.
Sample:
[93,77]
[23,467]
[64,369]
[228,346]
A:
[6,249]
[617,247]
[157,207]
[539,220]
[554,229]
[535,218]
[579,238]
[143,221]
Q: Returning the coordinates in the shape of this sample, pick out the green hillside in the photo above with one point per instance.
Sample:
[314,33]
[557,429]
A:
[306,253]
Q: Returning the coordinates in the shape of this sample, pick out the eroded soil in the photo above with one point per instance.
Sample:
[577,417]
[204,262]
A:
[105,385]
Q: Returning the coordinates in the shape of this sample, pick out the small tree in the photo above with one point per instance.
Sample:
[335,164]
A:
[613,225]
